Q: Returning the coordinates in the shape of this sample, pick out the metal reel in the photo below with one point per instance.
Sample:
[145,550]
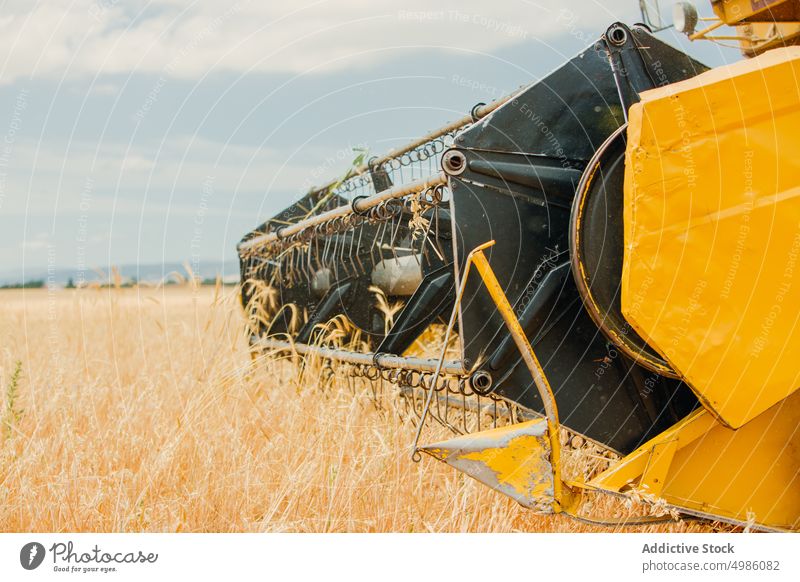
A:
[597,242]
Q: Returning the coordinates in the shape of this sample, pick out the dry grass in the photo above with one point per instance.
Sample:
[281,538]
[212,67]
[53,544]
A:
[140,410]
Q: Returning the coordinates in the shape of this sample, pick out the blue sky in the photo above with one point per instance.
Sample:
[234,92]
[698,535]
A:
[143,132]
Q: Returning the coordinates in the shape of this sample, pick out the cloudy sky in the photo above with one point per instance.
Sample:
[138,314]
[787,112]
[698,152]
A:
[150,131]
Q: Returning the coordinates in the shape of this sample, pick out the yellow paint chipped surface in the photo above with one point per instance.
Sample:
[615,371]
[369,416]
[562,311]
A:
[522,465]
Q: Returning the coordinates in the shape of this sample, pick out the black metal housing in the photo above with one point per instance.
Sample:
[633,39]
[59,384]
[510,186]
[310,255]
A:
[513,178]
[524,163]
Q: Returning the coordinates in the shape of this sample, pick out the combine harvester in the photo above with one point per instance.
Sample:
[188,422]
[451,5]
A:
[616,250]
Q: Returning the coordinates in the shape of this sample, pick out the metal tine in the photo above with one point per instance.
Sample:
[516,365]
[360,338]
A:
[280,269]
[347,261]
[438,401]
[358,247]
[308,251]
[335,255]
[373,386]
[406,406]
[422,407]
[317,253]
[447,411]
[297,257]
[437,250]
[444,420]
[422,404]
[384,231]
[422,244]
[464,410]
[297,264]
[289,266]
[270,272]
[301,267]
[337,265]
[340,244]
[375,244]
[332,254]
[436,231]
[395,230]
[418,256]
[326,252]
[425,239]
[350,250]
[307,261]
[435,414]
[477,424]
[309,266]
[464,414]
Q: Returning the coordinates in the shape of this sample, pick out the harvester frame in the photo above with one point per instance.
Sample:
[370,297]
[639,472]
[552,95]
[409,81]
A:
[556,320]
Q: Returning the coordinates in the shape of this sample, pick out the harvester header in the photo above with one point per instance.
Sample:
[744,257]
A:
[610,254]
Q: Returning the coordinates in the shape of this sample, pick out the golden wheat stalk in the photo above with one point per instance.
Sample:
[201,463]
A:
[151,416]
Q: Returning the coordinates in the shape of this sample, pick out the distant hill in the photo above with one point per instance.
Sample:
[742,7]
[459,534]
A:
[151,273]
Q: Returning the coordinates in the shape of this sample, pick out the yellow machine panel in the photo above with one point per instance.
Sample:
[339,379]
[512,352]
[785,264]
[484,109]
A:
[711,277]
[514,460]
[733,12]
[748,475]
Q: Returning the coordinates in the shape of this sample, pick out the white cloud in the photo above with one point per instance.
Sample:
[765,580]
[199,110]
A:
[48,172]
[89,37]
[39,241]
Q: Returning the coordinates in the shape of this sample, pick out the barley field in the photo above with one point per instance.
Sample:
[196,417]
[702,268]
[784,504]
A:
[141,409]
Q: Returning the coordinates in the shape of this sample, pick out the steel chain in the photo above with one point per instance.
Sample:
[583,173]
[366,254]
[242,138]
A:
[419,154]
[387,210]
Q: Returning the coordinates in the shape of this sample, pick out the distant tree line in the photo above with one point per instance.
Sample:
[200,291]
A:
[132,282]
[32,284]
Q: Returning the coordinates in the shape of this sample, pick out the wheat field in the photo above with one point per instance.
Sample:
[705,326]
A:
[130,410]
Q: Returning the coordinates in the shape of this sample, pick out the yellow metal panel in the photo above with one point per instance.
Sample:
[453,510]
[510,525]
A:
[711,272]
[631,468]
[734,11]
[655,475]
[747,475]
[514,460]
[752,473]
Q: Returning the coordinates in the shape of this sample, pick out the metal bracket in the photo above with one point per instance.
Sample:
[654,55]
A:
[380,178]
[481,263]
